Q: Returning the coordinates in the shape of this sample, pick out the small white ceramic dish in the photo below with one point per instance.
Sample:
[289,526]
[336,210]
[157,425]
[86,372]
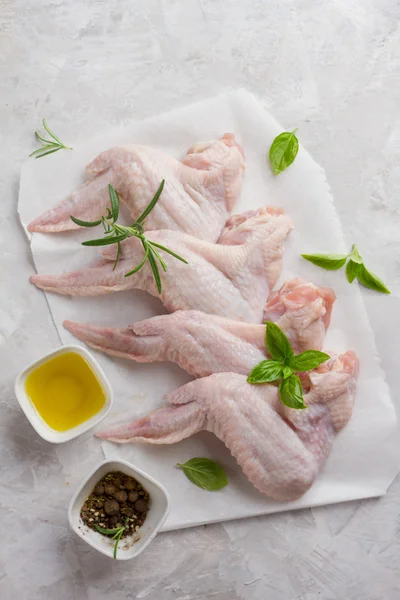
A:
[128,547]
[44,430]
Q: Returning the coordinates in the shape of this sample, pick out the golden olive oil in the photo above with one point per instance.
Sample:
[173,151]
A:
[65,391]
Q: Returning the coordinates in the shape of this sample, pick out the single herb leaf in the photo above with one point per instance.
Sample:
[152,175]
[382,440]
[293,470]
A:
[168,251]
[155,270]
[310,359]
[159,257]
[291,392]
[42,139]
[286,371]
[114,199]
[283,151]
[53,135]
[371,281]
[46,153]
[117,255]
[140,265]
[355,255]
[116,544]
[352,269]
[330,262]
[108,531]
[152,203]
[42,149]
[278,344]
[85,223]
[107,241]
[265,372]
[205,473]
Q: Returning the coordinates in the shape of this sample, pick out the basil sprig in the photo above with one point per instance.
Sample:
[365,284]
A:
[284,365]
[355,268]
[283,151]
[205,473]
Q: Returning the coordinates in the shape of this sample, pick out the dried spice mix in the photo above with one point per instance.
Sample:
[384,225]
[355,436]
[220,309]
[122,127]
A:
[117,500]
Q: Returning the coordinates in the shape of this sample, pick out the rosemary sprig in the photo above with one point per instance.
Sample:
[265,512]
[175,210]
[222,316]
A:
[116,233]
[48,146]
[115,533]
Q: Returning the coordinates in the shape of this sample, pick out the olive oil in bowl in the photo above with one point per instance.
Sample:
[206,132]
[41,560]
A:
[65,391]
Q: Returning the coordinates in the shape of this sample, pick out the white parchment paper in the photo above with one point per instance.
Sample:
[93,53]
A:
[364,459]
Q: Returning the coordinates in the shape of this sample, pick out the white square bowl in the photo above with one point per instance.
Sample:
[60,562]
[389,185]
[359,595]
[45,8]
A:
[39,424]
[128,547]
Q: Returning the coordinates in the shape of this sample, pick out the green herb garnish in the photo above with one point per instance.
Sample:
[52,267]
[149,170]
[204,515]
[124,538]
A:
[115,234]
[115,533]
[355,268]
[48,146]
[205,473]
[283,151]
[330,262]
[283,365]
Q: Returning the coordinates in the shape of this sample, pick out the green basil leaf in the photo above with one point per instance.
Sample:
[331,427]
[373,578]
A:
[352,269]
[114,199]
[286,372]
[355,255]
[330,262]
[291,392]
[371,281]
[278,344]
[107,241]
[265,372]
[310,359]
[283,151]
[205,473]
[85,223]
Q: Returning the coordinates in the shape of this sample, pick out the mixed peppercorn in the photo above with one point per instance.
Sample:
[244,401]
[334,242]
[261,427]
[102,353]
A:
[117,500]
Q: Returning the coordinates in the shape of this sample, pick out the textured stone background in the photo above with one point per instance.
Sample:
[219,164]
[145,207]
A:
[329,67]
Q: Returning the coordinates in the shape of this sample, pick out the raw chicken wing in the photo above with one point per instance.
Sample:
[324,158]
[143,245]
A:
[198,195]
[280,450]
[228,280]
[205,344]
